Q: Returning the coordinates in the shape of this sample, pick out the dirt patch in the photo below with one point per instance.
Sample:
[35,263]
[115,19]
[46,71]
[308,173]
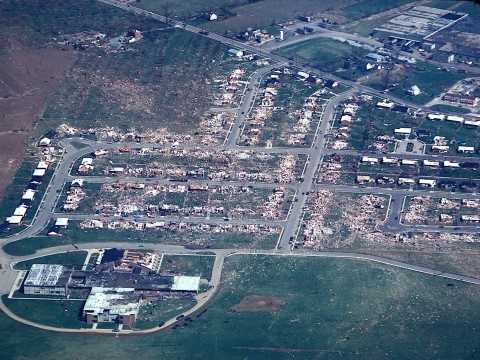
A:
[27,77]
[257,303]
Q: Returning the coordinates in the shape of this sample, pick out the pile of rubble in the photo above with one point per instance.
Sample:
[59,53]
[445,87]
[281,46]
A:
[272,207]
[75,195]
[286,172]
[259,115]
[230,86]
[416,211]
[365,215]
[255,230]
[315,232]
[311,111]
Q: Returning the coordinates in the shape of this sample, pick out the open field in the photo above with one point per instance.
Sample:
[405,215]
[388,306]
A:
[188,265]
[457,262]
[74,258]
[365,8]
[262,14]
[329,55]
[126,85]
[372,311]
[153,313]
[62,313]
[431,80]
[110,87]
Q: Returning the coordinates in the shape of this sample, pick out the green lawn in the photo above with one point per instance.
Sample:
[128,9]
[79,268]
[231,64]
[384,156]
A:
[74,258]
[329,309]
[365,8]
[188,265]
[450,108]
[431,81]
[328,55]
[152,314]
[61,313]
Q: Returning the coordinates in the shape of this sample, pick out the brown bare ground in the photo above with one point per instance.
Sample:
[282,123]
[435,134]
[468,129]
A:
[257,303]
[27,77]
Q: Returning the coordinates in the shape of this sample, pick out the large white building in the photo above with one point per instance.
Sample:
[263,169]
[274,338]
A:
[46,279]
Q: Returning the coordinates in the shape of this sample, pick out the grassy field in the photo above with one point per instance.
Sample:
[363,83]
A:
[152,314]
[188,265]
[262,14]
[296,308]
[366,8]
[61,313]
[39,22]
[328,55]
[193,9]
[450,108]
[429,79]
[74,258]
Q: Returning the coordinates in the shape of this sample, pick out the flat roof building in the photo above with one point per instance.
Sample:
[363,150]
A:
[120,305]
[62,222]
[14,220]
[29,194]
[46,279]
[39,172]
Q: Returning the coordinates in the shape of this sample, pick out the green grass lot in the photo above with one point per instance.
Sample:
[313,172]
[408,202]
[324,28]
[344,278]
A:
[264,13]
[195,10]
[328,55]
[371,122]
[366,8]
[61,313]
[442,4]
[238,15]
[449,108]
[188,265]
[431,80]
[151,314]
[40,21]
[330,309]
[73,236]
[70,259]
